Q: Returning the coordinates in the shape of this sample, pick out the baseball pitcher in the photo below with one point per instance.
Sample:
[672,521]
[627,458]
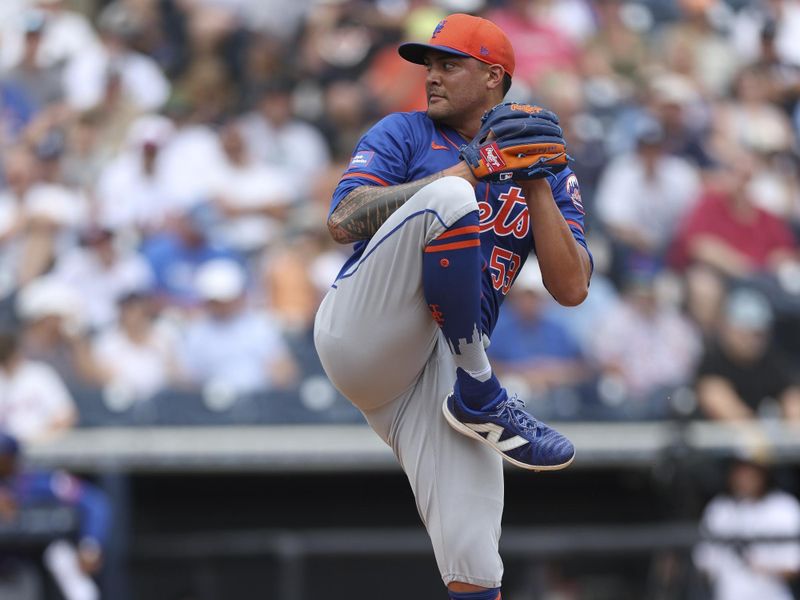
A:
[444,206]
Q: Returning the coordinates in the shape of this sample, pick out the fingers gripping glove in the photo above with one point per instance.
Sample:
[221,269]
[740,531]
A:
[516,141]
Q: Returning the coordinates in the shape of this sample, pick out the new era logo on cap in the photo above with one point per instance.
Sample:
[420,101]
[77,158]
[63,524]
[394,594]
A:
[465,35]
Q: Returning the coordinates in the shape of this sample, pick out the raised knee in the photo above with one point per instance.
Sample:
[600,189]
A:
[451,187]
[449,194]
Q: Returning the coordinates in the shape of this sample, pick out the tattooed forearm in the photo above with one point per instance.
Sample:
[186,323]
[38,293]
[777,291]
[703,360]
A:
[361,213]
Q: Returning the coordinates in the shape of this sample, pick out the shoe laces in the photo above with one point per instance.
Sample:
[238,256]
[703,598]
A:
[514,408]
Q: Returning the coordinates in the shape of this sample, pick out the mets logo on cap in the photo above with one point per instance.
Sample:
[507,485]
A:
[438,29]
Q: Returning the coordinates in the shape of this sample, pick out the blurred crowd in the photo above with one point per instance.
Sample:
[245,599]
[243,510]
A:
[167,167]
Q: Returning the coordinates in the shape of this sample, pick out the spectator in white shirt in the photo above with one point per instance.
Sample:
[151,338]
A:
[645,348]
[275,137]
[54,330]
[34,403]
[232,346]
[37,220]
[133,190]
[739,565]
[102,271]
[643,195]
[138,355]
[141,79]
[255,198]
[67,35]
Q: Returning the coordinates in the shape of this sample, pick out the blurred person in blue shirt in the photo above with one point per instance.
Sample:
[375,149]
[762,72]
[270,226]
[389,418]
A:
[176,253]
[532,346]
[71,564]
[231,346]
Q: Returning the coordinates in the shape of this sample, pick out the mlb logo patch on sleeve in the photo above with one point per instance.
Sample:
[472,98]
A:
[362,159]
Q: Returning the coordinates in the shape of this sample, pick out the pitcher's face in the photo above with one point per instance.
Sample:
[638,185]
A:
[455,87]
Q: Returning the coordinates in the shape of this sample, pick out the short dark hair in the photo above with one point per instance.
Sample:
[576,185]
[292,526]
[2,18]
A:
[8,346]
[506,83]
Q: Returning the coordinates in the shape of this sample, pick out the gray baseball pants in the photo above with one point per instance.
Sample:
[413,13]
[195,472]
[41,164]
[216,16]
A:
[382,349]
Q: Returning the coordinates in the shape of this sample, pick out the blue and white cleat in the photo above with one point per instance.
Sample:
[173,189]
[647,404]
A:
[515,434]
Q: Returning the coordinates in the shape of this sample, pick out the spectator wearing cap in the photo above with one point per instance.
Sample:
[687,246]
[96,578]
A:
[276,137]
[72,564]
[34,403]
[645,347]
[230,344]
[529,344]
[133,190]
[54,332]
[177,253]
[102,271]
[740,565]
[38,219]
[53,213]
[643,195]
[743,373]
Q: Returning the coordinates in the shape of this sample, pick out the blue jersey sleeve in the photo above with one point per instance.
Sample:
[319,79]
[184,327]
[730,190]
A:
[95,513]
[94,510]
[567,194]
[382,157]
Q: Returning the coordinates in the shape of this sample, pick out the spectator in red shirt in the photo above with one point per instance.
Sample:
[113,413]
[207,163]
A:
[728,232]
[538,46]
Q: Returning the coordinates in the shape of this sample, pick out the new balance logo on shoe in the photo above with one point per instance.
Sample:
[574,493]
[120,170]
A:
[529,444]
[493,433]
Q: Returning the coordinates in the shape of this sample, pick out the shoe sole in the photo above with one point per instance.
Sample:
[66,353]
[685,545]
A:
[464,430]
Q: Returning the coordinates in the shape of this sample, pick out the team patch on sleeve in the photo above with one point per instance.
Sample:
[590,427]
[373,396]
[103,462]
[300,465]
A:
[574,193]
[362,158]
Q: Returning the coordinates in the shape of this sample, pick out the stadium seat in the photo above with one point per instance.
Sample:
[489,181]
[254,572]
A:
[189,407]
[103,408]
[315,401]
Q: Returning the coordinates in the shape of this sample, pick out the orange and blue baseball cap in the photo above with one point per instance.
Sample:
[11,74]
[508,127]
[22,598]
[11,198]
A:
[465,35]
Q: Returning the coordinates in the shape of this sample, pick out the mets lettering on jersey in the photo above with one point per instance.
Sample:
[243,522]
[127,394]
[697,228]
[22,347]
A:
[511,216]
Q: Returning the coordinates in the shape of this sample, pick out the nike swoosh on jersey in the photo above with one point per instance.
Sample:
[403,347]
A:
[435,146]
